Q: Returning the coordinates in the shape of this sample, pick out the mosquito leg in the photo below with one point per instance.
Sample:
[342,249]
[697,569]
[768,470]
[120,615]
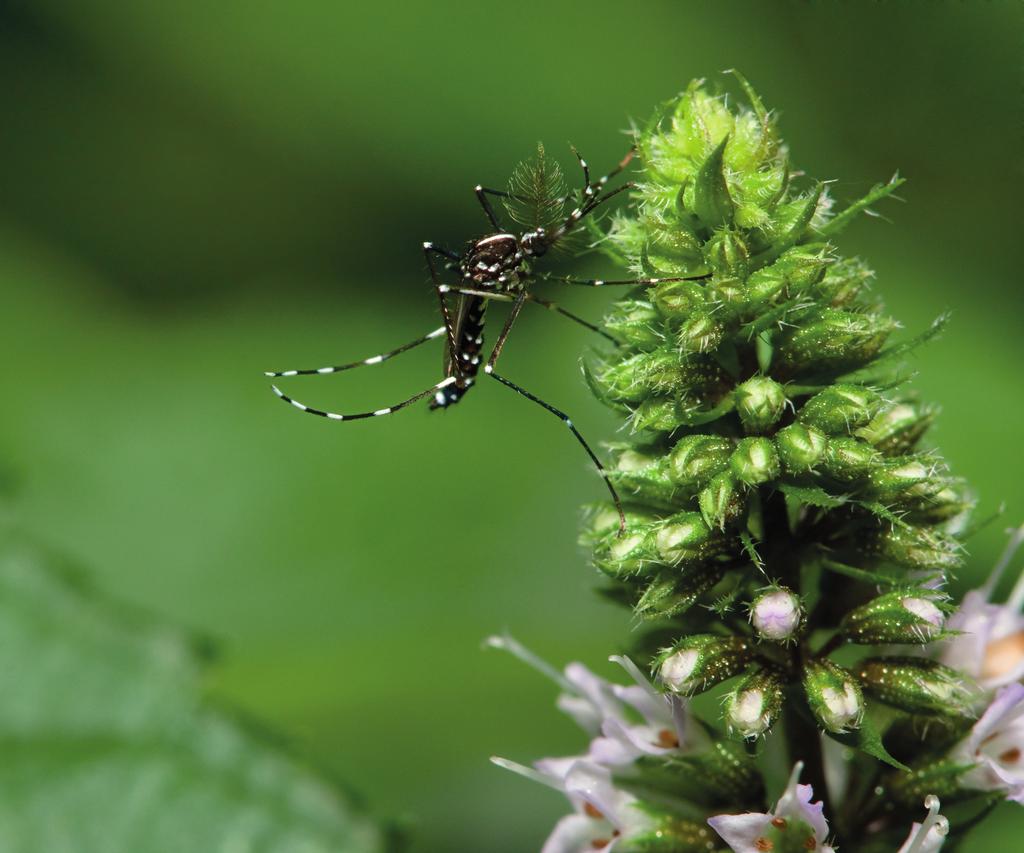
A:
[502,194]
[553,306]
[588,205]
[625,161]
[602,282]
[387,410]
[588,188]
[485,203]
[374,359]
[529,297]
[429,250]
[562,416]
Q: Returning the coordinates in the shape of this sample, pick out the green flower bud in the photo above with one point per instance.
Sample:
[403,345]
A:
[700,661]
[683,538]
[840,409]
[635,378]
[754,461]
[917,548]
[839,340]
[900,616]
[661,414]
[627,555]
[710,199]
[726,292]
[754,704]
[903,479]
[940,778]
[634,321]
[667,833]
[644,477]
[697,458]
[721,501]
[948,503]
[795,270]
[700,332]
[800,447]
[726,253]
[677,299]
[898,429]
[673,592]
[915,685]
[833,695]
[760,402]
[603,523]
[776,614]
[848,459]
[844,281]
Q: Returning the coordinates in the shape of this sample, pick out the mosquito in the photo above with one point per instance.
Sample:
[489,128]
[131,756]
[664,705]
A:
[499,266]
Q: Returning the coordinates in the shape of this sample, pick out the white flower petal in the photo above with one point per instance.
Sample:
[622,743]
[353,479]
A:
[741,831]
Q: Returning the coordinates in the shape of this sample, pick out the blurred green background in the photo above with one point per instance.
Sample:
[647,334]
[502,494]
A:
[193,192]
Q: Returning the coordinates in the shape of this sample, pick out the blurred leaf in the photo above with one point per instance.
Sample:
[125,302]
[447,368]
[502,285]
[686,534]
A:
[108,745]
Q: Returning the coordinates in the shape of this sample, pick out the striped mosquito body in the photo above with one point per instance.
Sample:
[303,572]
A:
[463,363]
[498,267]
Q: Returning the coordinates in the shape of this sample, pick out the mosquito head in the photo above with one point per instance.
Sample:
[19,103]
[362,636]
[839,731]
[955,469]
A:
[534,243]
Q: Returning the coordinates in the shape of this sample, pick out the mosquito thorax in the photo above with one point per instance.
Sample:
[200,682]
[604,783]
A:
[534,243]
[491,259]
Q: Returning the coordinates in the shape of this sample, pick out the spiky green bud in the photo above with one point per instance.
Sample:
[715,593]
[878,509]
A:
[668,833]
[679,299]
[697,458]
[643,476]
[917,548]
[754,704]
[898,429]
[754,461]
[721,501]
[915,685]
[849,459]
[900,616]
[837,341]
[760,402]
[903,480]
[800,447]
[840,409]
[683,538]
[634,321]
[700,661]
[833,695]
[699,332]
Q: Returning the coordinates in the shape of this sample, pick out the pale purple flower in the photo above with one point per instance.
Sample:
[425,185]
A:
[795,819]
[603,814]
[995,746]
[625,722]
[990,645]
[776,614]
[929,836]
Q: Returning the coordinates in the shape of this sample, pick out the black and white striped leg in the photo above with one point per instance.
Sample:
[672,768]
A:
[387,410]
[587,206]
[558,413]
[373,359]
[529,297]
[429,250]
[603,282]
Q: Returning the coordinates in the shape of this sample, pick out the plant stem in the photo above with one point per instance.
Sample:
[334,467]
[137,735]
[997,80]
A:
[804,743]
